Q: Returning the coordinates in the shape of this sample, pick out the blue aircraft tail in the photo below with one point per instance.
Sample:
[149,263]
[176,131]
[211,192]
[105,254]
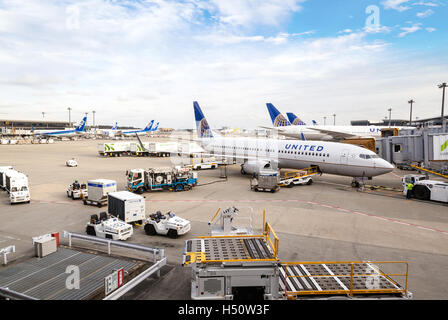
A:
[82,125]
[295,121]
[278,120]
[149,126]
[156,128]
[202,128]
[115,127]
[314,122]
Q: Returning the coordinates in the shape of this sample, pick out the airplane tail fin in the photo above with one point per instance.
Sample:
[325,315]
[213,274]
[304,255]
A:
[156,128]
[115,127]
[202,128]
[149,126]
[294,119]
[314,123]
[82,125]
[278,120]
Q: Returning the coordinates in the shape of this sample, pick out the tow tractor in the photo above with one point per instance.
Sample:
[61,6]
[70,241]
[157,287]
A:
[77,191]
[298,177]
[157,179]
[425,189]
[168,224]
[108,228]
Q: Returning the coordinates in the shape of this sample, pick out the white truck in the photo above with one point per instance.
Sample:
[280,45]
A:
[425,189]
[17,187]
[169,225]
[77,191]
[127,206]
[3,170]
[115,149]
[108,228]
[98,190]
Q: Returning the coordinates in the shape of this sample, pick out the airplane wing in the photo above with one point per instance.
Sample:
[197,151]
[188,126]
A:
[337,135]
[283,133]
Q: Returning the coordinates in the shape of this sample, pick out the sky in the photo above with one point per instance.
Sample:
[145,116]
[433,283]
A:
[135,60]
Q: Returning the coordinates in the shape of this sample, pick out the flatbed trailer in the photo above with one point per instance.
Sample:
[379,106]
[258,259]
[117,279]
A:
[247,266]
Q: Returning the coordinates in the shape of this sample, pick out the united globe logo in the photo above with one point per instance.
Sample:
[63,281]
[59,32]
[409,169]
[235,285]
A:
[280,121]
[204,129]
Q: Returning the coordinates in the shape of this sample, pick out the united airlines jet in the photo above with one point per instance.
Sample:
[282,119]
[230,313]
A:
[319,132]
[261,153]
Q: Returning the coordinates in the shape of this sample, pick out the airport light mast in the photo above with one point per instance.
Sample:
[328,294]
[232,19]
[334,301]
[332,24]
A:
[411,102]
[334,119]
[390,115]
[69,117]
[93,112]
[325,120]
[443,86]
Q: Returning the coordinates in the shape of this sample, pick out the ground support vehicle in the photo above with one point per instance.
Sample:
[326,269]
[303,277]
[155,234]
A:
[77,191]
[115,149]
[127,206]
[247,267]
[97,191]
[157,179]
[108,228]
[3,176]
[298,177]
[166,224]
[71,163]
[425,189]
[265,180]
[16,184]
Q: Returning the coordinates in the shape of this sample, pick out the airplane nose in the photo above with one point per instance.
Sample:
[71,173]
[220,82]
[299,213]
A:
[388,167]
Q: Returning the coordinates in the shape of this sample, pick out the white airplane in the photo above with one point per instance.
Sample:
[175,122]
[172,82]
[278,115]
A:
[147,129]
[110,132]
[80,129]
[335,133]
[261,153]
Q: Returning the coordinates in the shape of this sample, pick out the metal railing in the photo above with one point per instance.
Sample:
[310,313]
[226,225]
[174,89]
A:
[352,275]
[155,251]
[14,295]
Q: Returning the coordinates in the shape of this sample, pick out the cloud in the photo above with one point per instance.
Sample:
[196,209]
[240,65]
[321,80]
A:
[250,12]
[396,5]
[425,14]
[136,60]
[429,29]
[407,30]
[428,4]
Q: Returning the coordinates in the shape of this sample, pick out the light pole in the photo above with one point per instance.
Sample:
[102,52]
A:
[43,115]
[443,86]
[334,119]
[325,120]
[93,112]
[69,117]
[411,102]
[390,115]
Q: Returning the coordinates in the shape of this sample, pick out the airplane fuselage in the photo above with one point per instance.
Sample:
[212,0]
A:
[330,157]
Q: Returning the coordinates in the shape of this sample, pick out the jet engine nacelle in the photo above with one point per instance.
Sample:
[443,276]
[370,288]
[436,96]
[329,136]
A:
[254,166]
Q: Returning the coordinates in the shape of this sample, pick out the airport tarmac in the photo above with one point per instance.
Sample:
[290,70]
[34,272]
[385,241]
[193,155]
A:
[327,220]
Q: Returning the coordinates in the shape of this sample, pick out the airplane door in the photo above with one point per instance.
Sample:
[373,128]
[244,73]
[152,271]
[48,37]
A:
[344,156]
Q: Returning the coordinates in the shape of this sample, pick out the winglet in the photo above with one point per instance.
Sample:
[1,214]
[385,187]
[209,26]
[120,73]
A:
[278,120]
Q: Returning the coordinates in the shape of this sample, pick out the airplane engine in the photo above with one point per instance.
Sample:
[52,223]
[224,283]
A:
[253,166]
